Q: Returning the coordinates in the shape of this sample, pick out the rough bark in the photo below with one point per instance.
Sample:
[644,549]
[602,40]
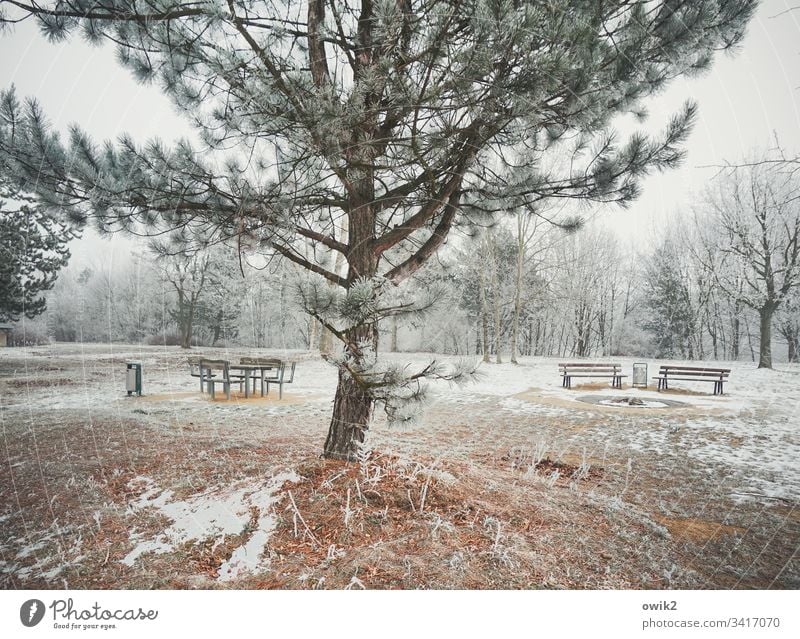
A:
[352,412]
[353,403]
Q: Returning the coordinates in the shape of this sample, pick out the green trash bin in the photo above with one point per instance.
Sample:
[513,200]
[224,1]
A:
[133,378]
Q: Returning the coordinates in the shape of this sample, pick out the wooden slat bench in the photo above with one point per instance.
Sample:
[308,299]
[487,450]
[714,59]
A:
[590,369]
[669,373]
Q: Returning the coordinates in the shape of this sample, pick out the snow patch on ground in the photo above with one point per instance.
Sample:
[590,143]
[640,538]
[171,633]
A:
[520,406]
[51,556]
[215,513]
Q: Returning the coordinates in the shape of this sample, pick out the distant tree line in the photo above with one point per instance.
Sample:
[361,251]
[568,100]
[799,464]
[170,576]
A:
[722,282]
[717,283]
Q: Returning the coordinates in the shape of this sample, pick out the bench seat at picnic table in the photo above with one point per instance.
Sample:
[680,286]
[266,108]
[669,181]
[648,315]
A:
[568,370]
[670,372]
[208,376]
[272,371]
[195,370]
[263,369]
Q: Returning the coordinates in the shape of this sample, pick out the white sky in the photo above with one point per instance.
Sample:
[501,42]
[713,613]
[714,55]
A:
[744,102]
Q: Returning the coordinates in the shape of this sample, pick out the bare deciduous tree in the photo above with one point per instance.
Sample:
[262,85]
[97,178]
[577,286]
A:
[752,219]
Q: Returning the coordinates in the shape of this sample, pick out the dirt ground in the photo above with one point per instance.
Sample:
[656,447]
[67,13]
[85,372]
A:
[524,488]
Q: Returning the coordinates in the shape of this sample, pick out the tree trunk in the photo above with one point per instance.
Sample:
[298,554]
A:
[312,333]
[490,244]
[749,334]
[186,336]
[218,327]
[353,403]
[792,342]
[185,322]
[352,411]
[517,288]
[610,348]
[765,346]
[736,329]
[282,309]
[484,319]
[394,335]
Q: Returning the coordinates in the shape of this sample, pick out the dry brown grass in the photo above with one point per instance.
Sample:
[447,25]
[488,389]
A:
[236,396]
[476,497]
[697,531]
[393,523]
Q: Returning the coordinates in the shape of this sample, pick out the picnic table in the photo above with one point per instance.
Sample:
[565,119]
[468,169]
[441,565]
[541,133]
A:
[270,371]
[257,371]
[264,370]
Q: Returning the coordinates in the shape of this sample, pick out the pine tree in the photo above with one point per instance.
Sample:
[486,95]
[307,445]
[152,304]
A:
[378,116]
[667,295]
[33,248]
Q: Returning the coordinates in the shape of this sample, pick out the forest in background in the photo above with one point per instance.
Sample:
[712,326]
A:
[526,286]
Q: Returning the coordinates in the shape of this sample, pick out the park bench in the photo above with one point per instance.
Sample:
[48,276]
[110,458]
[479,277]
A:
[273,371]
[195,370]
[669,373]
[208,371]
[590,369]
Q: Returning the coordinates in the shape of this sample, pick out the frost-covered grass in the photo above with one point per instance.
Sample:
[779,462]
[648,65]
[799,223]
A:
[507,482]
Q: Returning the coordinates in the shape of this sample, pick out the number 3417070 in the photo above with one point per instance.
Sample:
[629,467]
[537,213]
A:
[755,622]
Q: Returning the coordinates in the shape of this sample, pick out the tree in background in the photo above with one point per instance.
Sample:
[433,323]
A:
[381,115]
[33,249]
[752,219]
[585,283]
[668,294]
[204,282]
[534,237]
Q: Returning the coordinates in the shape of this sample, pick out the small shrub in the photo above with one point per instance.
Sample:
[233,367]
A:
[30,336]
[164,339]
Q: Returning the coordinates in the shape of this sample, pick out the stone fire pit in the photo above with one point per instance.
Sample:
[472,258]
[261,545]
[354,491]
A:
[623,401]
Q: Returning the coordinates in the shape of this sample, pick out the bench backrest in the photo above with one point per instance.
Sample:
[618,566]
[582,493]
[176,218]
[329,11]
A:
[261,361]
[291,372]
[222,365]
[280,367]
[589,367]
[693,371]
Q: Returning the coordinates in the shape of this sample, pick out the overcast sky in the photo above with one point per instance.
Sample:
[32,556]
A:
[744,102]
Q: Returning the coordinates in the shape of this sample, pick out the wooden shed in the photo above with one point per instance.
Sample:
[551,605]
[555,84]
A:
[5,334]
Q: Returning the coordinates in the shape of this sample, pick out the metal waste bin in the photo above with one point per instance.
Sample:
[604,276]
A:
[639,379]
[133,378]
